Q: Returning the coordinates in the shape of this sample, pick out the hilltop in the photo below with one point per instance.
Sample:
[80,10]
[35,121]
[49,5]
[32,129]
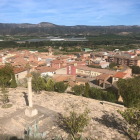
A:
[46,28]
[105,122]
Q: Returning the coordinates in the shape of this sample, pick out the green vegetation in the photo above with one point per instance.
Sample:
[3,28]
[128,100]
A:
[132,116]
[13,82]
[75,122]
[92,66]
[50,85]
[6,73]
[87,89]
[38,83]
[130,91]
[99,94]
[112,65]
[135,69]
[78,89]
[95,93]
[61,87]
[100,42]
[46,78]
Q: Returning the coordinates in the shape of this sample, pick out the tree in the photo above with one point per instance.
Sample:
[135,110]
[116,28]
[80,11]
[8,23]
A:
[78,89]
[99,94]
[50,85]
[96,93]
[135,69]
[130,91]
[87,89]
[61,87]
[13,82]
[38,84]
[75,122]
[35,75]
[132,116]
[6,73]
[46,78]
[110,96]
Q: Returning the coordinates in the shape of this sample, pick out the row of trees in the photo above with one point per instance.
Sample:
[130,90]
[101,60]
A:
[46,83]
[94,93]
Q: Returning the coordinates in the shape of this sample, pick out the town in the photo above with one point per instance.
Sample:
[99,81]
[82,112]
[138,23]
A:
[69,70]
[74,69]
[89,74]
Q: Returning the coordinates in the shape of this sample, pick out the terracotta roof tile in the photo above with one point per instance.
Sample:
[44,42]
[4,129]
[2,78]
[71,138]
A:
[63,77]
[119,75]
[103,76]
[18,70]
[45,69]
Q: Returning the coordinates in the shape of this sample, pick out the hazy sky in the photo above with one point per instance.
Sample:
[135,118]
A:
[71,12]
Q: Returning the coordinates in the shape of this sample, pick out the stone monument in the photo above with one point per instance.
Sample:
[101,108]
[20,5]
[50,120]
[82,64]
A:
[30,111]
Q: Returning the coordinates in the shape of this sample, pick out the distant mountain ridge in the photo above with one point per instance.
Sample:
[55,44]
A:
[46,28]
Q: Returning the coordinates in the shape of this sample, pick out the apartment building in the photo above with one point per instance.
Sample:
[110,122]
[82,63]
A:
[120,60]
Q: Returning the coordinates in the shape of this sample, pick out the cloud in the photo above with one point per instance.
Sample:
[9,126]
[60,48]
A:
[99,17]
[69,12]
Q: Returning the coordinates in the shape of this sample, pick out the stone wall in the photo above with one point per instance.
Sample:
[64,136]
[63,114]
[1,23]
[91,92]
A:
[113,105]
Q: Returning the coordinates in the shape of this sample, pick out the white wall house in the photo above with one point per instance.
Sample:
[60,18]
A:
[47,73]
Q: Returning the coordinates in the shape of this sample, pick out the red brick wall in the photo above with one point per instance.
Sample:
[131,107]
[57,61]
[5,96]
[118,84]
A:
[71,70]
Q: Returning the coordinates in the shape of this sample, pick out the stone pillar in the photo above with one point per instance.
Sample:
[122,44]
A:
[29,79]
[30,111]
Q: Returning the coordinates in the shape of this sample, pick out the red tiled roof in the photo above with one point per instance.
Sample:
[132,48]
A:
[119,75]
[45,69]
[103,76]
[56,61]
[63,77]
[18,70]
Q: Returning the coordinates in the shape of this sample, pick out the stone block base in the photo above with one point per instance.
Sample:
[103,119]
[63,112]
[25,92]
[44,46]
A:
[31,112]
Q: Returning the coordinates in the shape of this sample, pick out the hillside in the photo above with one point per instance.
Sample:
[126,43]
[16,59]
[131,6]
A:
[46,28]
[105,122]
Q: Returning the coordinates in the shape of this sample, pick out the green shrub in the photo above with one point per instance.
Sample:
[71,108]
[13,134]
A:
[87,89]
[75,122]
[13,82]
[38,84]
[132,116]
[102,95]
[61,87]
[78,89]
[50,85]
[96,93]
[110,96]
